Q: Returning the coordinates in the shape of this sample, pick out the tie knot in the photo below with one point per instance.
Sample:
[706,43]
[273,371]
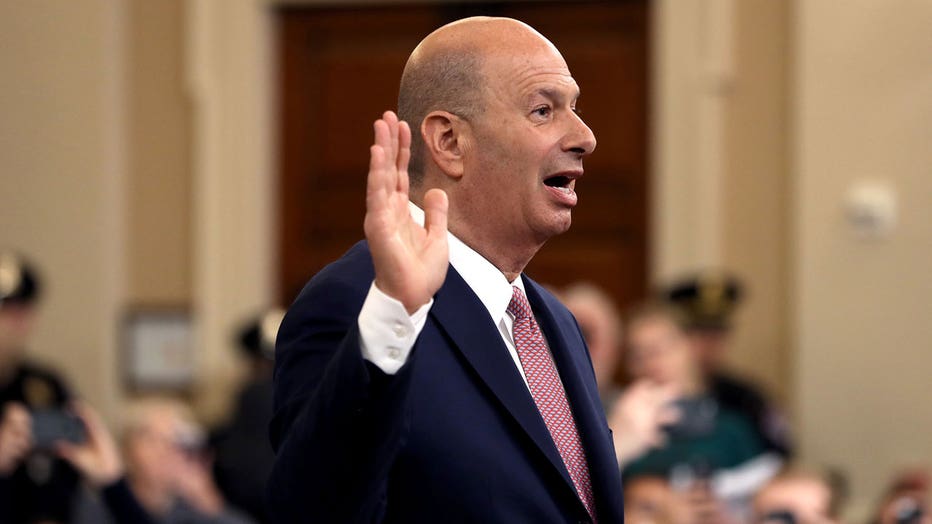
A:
[519,306]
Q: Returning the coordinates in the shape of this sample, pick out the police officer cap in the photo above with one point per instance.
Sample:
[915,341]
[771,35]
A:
[19,281]
[257,337]
[707,300]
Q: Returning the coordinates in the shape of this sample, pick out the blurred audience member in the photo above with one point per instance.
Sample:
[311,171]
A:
[34,485]
[707,302]
[166,465]
[167,476]
[798,496]
[710,443]
[650,500]
[600,323]
[98,460]
[637,416]
[244,455]
[907,500]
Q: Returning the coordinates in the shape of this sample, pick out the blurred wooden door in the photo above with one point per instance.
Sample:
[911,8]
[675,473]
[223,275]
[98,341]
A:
[339,69]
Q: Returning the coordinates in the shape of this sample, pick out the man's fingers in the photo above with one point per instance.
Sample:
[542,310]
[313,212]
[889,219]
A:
[404,156]
[435,213]
[384,141]
[392,120]
[378,180]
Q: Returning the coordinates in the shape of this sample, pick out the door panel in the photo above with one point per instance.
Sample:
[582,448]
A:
[339,68]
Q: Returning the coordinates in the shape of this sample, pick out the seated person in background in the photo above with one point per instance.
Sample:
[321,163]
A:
[707,302]
[710,443]
[650,500]
[244,455]
[637,416]
[600,323]
[907,500]
[34,485]
[166,473]
[799,496]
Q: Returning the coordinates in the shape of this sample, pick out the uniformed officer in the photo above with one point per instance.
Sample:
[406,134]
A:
[708,301]
[34,485]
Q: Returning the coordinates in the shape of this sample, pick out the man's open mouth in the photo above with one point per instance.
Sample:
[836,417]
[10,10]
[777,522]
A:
[558,181]
[564,182]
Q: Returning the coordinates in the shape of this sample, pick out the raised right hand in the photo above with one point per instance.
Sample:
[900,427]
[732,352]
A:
[410,260]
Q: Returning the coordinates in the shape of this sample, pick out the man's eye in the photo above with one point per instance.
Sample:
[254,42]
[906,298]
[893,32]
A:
[542,111]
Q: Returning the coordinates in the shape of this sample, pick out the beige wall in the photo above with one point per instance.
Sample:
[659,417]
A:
[62,179]
[97,179]
[755,190]
[863,110]
[719,155]
[229,74]
[158,244]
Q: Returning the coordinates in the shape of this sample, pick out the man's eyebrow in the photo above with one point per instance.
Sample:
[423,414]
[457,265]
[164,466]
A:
[556,94]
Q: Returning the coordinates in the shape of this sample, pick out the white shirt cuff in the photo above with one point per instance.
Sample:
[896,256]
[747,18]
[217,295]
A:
[386,331]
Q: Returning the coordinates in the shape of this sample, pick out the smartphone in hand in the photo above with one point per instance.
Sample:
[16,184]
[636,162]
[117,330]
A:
[52,425]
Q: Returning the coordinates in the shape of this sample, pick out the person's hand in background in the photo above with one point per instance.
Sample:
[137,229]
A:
[638,418]
[703,507]
[15,437]
[97,458]
[195,484]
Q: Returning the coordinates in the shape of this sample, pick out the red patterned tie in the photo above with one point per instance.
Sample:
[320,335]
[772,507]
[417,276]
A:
[547,391]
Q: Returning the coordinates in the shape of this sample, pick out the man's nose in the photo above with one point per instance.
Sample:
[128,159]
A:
[579,138]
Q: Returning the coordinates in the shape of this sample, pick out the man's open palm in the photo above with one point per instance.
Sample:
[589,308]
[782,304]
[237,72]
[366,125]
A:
[410,260]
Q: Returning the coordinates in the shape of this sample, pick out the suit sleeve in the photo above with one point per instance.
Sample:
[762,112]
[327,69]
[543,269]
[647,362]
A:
[339,420]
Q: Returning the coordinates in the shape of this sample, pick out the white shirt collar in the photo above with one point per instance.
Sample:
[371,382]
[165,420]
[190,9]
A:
[485,280]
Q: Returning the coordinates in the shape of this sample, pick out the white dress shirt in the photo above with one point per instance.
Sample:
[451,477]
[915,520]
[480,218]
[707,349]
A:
[388,333]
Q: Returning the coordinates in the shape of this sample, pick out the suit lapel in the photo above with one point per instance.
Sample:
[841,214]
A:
[578,382]
[461,315]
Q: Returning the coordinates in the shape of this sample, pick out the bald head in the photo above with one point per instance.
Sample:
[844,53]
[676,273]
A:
[445,72]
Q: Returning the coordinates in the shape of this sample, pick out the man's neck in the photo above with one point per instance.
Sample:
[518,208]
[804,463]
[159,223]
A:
[508,257]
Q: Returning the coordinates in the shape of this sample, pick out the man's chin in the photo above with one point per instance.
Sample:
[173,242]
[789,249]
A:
[557,225]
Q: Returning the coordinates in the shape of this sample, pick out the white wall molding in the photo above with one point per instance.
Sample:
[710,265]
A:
[229,77]
[693,73]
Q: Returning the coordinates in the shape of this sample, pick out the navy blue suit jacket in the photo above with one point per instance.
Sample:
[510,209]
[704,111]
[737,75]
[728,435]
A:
[454,436]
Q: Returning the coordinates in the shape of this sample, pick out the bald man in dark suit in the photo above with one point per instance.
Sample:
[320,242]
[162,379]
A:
[423,377]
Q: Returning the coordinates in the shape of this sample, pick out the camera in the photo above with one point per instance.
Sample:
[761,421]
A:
[52,425]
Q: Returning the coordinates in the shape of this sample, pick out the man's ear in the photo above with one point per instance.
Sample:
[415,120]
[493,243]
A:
[444,143]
